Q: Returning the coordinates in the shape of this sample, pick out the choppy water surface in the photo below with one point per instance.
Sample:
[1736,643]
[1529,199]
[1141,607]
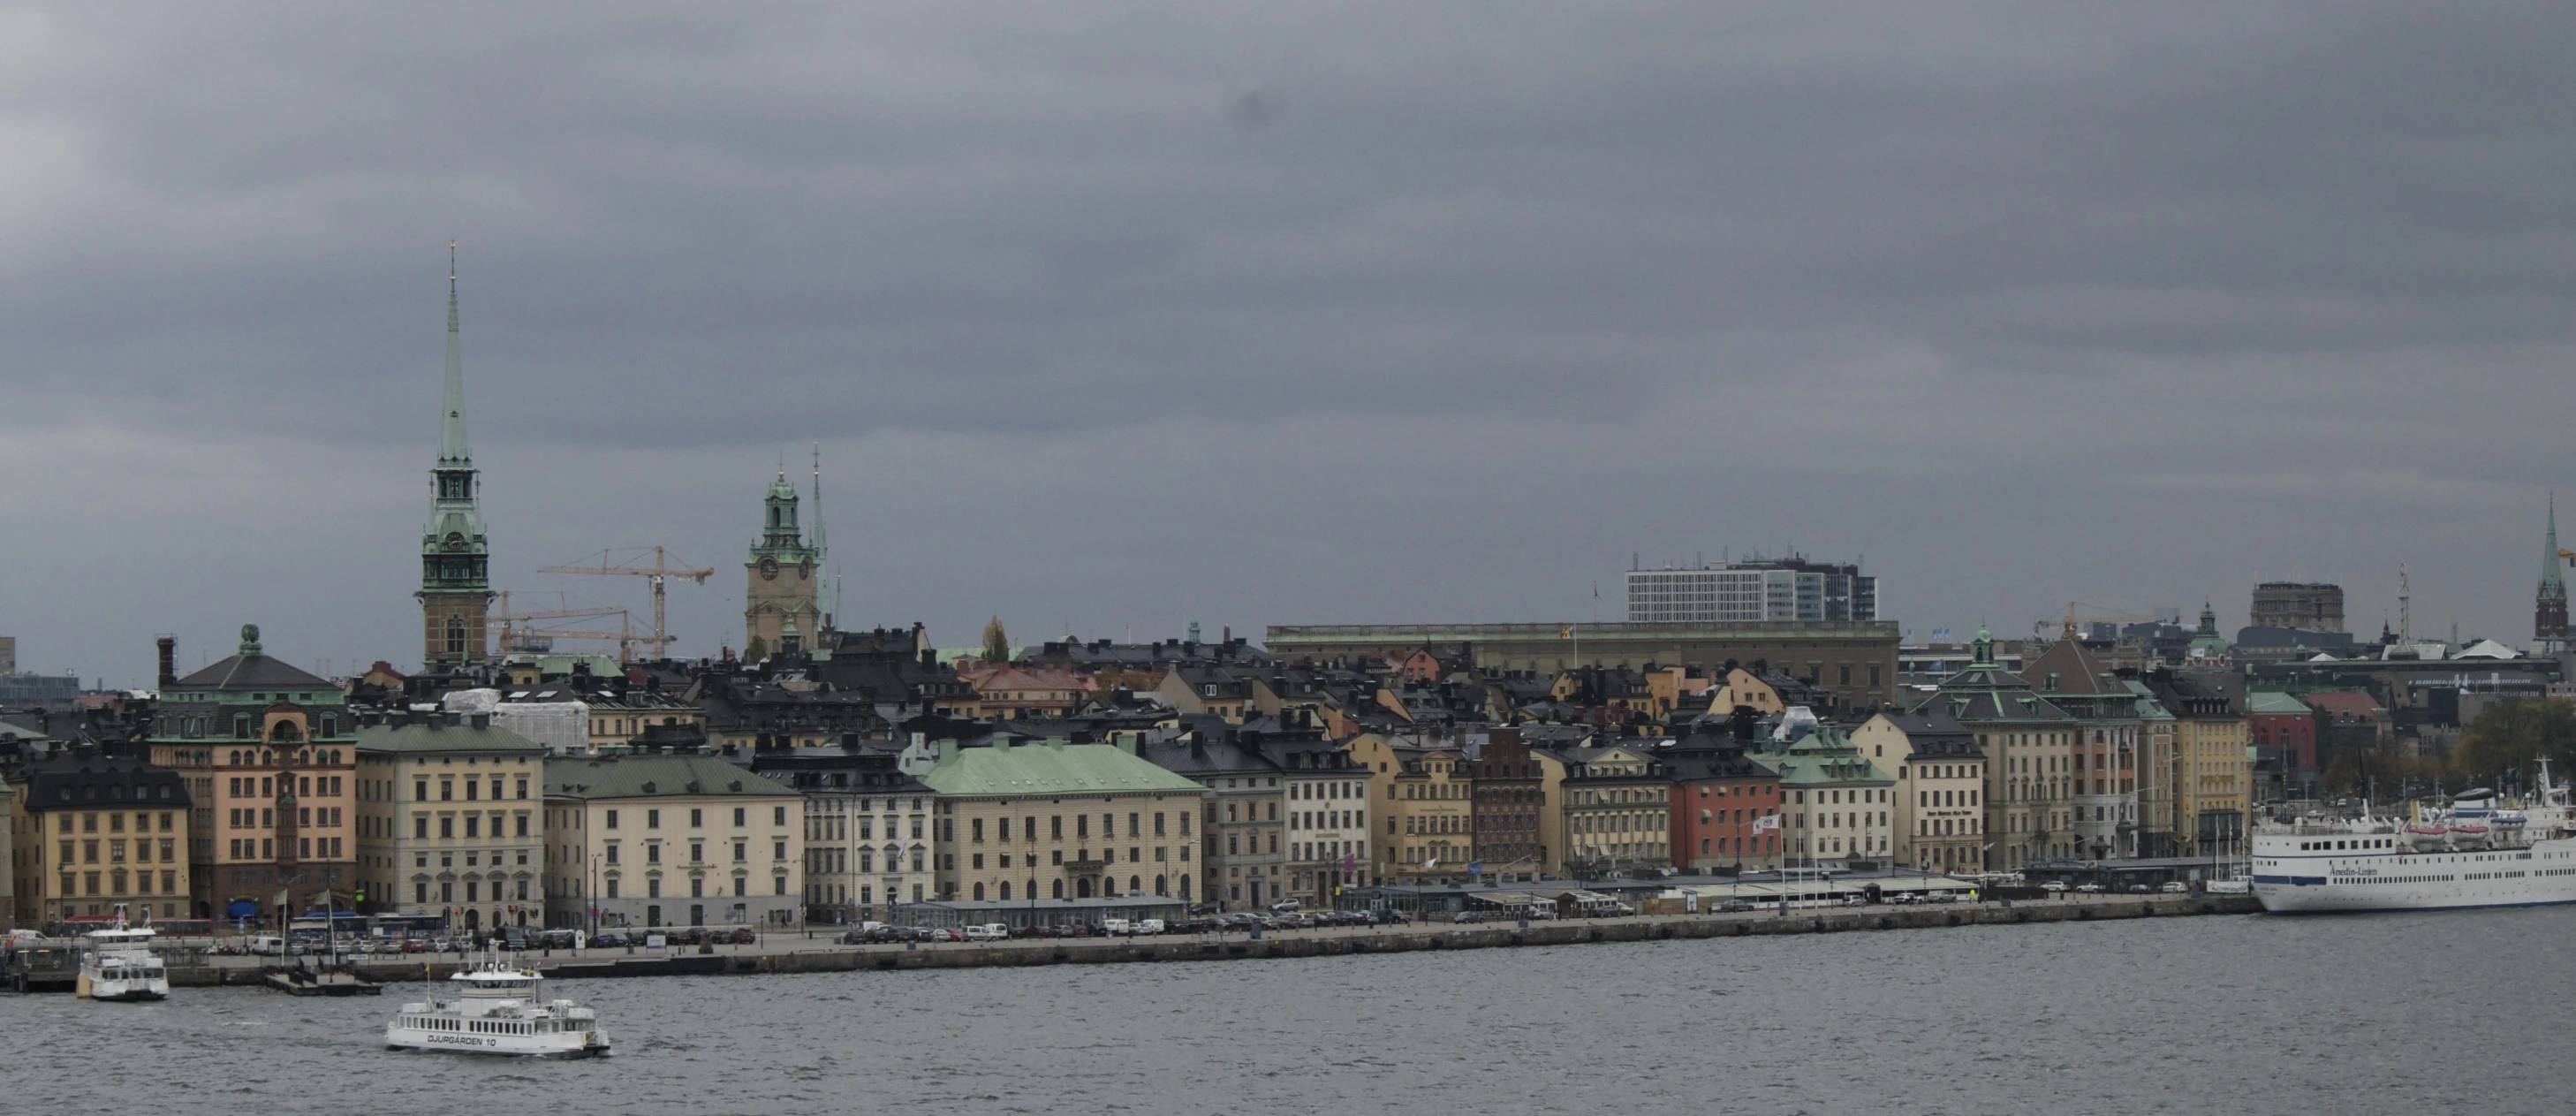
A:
[2463,1011]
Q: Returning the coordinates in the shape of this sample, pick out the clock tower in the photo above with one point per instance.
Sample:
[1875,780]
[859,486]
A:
[455,582]
[783,575]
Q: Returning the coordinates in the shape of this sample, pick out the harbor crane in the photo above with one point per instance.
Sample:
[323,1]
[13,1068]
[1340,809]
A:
[516,634]
[629,562]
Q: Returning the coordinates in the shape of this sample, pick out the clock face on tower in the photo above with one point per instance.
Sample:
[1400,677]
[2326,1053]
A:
[769,569]
[805,570]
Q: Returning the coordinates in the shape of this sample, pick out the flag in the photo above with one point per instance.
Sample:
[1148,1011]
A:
[1766,823]
[1566,632]
[1429,864]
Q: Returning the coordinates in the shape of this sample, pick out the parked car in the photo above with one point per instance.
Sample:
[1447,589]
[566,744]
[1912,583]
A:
[268,945]
[2174,887]
[743,935]
[1148,926]
[2054,887]
[1115,927]
[1468,916]
[608,939]
[2090,888]
[987,932]
[1285,906]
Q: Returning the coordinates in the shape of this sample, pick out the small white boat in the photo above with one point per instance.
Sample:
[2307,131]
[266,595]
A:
[496,1011]
[119,964]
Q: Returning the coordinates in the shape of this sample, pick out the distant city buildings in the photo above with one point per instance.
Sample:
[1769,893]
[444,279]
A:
[1790,588]
[2315,606]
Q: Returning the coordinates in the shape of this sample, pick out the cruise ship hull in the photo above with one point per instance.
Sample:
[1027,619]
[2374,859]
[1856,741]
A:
[2292,876]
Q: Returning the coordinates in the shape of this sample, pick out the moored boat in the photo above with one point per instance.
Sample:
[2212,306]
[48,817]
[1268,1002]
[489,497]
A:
[117,964]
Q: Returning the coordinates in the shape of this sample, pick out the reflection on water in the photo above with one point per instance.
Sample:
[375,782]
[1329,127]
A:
[2348,1014]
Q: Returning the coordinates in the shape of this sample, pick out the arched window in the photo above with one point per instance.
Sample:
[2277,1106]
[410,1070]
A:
[1082,888]
[1006,891]
[1161,887]
[456,635]
[1058,888]
[1135,885]
[979,893]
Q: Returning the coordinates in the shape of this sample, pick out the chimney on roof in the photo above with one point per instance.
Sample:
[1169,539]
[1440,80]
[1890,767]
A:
[168,648]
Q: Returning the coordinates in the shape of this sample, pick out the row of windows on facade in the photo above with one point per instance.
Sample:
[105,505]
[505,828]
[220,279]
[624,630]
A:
[305,786]
[115,849]
[89,883]
[1135,855]
[837,828]
[381,790]
[698,887]
[241,817]
[246,727]
[447,891]
[1081,888]
[89,821]
[1081,826]
[265,848]
[697,852]
[473,826]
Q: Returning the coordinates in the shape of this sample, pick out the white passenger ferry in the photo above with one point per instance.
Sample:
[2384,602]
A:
[496,1011]
[119,964]
[2477,852]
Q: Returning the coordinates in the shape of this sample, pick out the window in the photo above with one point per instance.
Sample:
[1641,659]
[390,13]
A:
[652,819]
[696,819]
[777,816]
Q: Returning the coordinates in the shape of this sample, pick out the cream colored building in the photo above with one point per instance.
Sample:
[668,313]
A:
[1939,794]
[451,820]
[1050,820]
[1425,804]
[671,839]
[1617,803]
[2212,780]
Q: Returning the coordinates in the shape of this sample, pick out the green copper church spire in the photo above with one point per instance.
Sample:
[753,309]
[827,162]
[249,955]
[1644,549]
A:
[455,559]
[451,435]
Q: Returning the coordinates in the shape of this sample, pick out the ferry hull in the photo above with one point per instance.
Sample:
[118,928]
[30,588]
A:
[508,1046]
[2292,880]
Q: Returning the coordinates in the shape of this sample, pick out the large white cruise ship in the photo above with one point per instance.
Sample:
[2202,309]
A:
[2477,852]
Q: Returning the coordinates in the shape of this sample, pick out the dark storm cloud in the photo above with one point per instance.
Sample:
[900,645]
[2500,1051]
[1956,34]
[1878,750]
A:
[1331,312]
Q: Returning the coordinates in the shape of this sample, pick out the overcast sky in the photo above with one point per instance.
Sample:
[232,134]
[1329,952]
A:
[1111,317]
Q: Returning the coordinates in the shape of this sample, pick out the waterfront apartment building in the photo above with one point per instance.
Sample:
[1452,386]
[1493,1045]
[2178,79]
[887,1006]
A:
[1840,808]
[1725,805]
[672,839]
[91,832]
[867,831]
[451,820]
[2212,778]
[1425,805]
[2112,756]
[270,754]
[1752,590]
[1243,839]
[1327,804]
[1510,792]
[1940,820]
[1618,810]
[2029,748]
[1055,821]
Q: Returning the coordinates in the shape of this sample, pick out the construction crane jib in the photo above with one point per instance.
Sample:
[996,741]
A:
[629,562]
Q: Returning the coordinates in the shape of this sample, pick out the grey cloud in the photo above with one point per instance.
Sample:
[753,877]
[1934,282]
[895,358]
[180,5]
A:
[2012,300]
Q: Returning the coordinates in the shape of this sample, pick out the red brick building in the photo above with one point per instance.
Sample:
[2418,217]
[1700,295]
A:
[1720,798]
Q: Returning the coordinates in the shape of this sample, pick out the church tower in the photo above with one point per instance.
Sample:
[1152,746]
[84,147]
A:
[2549,610]
[782,577]
[455,582]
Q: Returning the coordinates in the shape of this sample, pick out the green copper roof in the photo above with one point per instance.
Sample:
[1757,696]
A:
[2268,701]
[1051,771]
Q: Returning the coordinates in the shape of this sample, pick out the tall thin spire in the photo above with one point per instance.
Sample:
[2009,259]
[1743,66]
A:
[2551,582]
[451,435]
[822,549]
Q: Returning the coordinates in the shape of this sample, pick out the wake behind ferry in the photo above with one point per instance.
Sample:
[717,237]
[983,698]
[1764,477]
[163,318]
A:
[497,1011]
[2477,852]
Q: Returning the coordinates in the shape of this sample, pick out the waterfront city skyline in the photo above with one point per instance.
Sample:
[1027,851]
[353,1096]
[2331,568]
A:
[1115,324]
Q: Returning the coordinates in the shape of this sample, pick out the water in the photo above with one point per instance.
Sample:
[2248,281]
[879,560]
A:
[2458,1011]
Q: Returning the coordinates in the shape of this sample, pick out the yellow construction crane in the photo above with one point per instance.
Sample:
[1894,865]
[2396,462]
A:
[508,626]
[629,561]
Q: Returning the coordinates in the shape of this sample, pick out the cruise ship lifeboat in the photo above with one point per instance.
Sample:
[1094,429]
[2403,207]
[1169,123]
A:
[2469,832]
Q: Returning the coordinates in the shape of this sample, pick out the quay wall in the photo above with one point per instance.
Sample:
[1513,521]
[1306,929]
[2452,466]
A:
[1406,938]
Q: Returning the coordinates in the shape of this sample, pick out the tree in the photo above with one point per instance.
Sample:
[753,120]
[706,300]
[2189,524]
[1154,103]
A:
[2508,737]
[997,645]
[755,651]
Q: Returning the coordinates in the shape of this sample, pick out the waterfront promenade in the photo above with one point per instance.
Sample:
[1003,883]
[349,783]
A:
[795,952]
